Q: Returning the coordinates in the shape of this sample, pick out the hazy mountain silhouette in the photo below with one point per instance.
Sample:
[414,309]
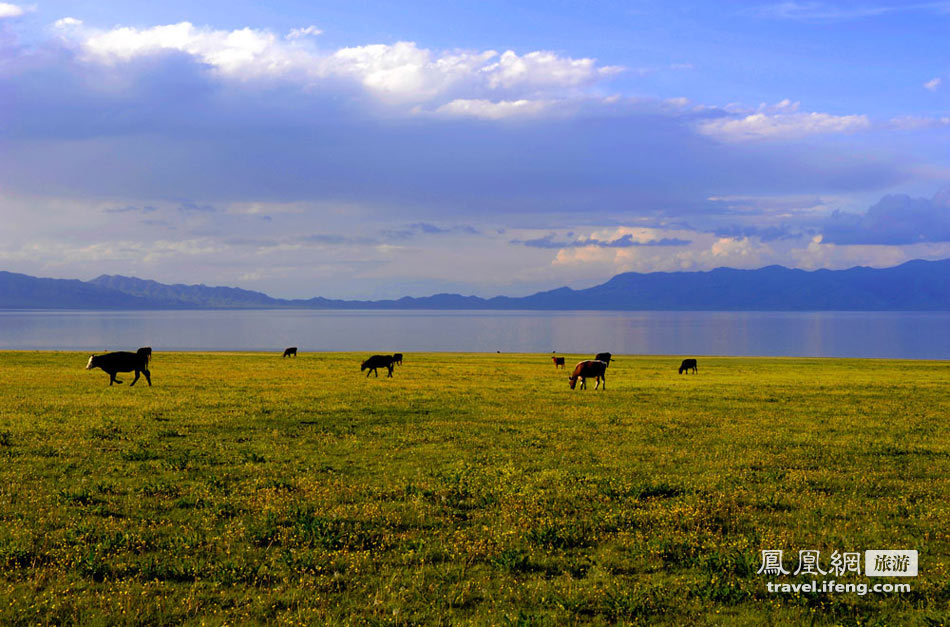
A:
[198,296]
[915,285]
[21,291]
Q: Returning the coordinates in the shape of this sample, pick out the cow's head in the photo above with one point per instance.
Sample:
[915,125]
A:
[89,364]
[363,366]
[573,381]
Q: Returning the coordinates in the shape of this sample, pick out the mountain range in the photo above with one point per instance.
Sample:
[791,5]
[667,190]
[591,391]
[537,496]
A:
[913,286]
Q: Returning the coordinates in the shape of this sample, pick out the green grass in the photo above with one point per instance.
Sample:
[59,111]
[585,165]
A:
[469,488]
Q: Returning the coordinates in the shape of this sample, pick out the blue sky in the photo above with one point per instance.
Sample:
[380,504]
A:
[370,149]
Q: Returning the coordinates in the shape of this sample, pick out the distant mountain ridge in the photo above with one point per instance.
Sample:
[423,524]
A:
[181,295]
[913,286]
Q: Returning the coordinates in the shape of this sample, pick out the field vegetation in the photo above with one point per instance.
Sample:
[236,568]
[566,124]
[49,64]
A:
[469,488]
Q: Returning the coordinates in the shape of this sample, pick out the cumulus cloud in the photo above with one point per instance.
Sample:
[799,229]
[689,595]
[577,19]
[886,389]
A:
[781,121]
[933,84]
[67,22]
[401,72]
[705,251]
[11,10]
[896,219]
[543,69]
[488,110]
[244,53]
[820,254]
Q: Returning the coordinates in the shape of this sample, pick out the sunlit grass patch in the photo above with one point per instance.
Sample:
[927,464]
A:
[468,488]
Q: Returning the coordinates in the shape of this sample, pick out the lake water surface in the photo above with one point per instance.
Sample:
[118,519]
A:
[907,335]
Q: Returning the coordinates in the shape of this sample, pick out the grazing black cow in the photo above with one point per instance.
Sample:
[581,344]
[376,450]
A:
[147,351]
[377,361]
[604,357]
[591,368]
[397,359]
[122,361]
[558,362]
[290,352]
[687,365]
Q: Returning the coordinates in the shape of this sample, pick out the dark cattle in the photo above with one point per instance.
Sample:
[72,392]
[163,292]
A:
[687,365]
[290,352]
[377,361]
[147,351]
[591,368]
[122,361]
[558,362]
[604,357]
[397,358]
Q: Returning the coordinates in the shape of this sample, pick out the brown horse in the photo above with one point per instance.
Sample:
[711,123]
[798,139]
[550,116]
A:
[590,368]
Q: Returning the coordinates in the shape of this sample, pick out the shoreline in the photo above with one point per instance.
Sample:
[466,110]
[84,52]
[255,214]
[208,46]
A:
[544,356]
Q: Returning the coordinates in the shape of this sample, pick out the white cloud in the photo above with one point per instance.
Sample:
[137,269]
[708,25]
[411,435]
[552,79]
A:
[67,22]
[403,72]
[677,103]
[914,122]
[933,84]
[489,110]
[705,252]
[543,69]
[781,121]
[400,73]
[244,53]
[297,33]
[11,10]
[822,255]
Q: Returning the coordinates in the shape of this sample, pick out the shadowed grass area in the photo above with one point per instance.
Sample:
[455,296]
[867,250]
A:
[468,488]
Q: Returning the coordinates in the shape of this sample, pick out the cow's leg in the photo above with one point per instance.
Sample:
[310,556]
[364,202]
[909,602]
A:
[112,378]
[148,377]
[369,372]
[390,371]
[583,383]
[135,379]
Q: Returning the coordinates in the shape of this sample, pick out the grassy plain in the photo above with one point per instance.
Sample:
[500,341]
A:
[470,488]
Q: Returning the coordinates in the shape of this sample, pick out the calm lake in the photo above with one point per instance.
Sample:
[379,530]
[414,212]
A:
[907,335]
